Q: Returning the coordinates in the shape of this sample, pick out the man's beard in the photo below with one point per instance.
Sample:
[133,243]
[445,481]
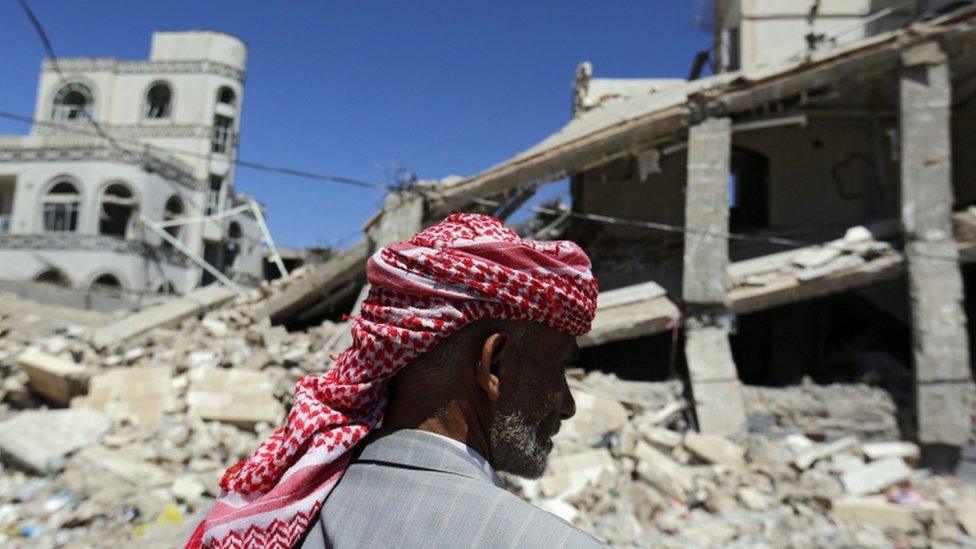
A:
[520,445]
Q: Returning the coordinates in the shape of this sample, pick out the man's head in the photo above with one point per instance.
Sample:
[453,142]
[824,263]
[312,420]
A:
[499,385]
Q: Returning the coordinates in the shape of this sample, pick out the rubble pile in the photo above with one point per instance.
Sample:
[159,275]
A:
[126,443]
[634,474]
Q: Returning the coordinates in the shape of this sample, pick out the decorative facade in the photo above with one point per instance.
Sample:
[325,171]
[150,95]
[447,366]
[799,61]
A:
[120,151]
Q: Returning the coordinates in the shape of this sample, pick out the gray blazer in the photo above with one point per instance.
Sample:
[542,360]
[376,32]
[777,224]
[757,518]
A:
[409,489]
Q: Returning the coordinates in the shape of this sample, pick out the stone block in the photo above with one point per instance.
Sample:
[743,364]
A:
[52,377]
[143,393]
[716,449]
[39,439]
[811,455]
[965,511]
[899,449]
[873,510]
[568,474]
[875,476]
[239,397]
[128,465]
[594,416]
[663,472]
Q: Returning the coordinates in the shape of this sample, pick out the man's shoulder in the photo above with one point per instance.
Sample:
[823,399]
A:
[414,508]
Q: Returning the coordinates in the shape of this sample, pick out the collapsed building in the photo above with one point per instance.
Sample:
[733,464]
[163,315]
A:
[803,212]
[124,187]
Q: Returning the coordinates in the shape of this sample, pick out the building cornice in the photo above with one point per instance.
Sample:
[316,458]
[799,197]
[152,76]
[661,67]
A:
[99,153]
[98,243]
[108,64]
[197,131]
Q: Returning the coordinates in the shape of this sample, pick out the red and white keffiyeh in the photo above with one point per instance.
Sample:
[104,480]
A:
[466,268]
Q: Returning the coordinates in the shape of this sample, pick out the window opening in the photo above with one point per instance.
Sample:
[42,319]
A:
[158,100]
[72,102]
[61,205]
[116,210]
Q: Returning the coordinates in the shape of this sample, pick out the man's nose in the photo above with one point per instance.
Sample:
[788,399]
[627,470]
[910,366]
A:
[568,408]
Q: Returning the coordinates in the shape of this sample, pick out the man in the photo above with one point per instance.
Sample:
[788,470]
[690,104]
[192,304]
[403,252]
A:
[456,370]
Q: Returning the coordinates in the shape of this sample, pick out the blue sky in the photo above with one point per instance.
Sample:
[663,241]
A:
[357,89]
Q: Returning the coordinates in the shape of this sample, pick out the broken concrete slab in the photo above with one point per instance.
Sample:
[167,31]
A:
[965,511]
[810,258]
[636,293]
[663,472]
[52,377]
[716,449]
[239,397]
[808,457]
[631,320]
[142,392]
[162,314]
[567,475]
[875,476]
[594,416]
[39,439]
[127,465]
[874,510]
[881,450]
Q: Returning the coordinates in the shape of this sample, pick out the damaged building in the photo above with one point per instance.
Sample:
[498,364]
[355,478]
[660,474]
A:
[126,179]
[805,211]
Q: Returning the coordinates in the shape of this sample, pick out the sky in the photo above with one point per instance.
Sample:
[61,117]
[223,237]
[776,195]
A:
[360,89]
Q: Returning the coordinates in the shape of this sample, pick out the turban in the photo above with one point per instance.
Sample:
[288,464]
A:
[466,268]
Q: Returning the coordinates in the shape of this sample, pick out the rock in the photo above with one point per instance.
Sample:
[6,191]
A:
[239,397]
[662,472]
[38,439]
[187,488]
[569,474]
[214,327]
[881,450]
[753,500]
[858,234]
[873,510]
[52,377]
[715,449]
[965,511]
[661,436]
[594,416]
[142,392]
[810,456]
[875,476]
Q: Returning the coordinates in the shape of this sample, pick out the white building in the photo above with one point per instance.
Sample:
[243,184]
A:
[71,201]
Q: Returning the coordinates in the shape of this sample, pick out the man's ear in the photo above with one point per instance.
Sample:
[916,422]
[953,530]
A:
[494,361]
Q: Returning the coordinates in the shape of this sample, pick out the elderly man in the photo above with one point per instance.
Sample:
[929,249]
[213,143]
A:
[456,371]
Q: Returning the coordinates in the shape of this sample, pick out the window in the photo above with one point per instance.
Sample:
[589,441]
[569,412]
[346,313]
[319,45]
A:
[748,190]
[222,134]
[106,282]
[226,96]
[53,276]
[61,205]
[173,210]
[72,102]
[117,207]
[213,194]
[158,100]
[166,288]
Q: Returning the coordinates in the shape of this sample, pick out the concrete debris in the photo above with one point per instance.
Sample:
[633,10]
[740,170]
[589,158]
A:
[166,411]
[141,393]
[39,439]
[876,476]
[240,397]
[52,377]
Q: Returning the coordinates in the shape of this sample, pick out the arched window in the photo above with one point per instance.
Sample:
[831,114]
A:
[72,102]
[117,206]
[158,101]
[173,210]
[61,205]
[226,96]
[165,287]
[53,276]
[106,281]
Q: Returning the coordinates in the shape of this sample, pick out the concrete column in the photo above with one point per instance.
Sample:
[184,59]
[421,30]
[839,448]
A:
[941,351]
[715,384]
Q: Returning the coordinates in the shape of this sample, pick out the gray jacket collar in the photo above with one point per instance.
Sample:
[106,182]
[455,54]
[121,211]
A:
[420,450]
